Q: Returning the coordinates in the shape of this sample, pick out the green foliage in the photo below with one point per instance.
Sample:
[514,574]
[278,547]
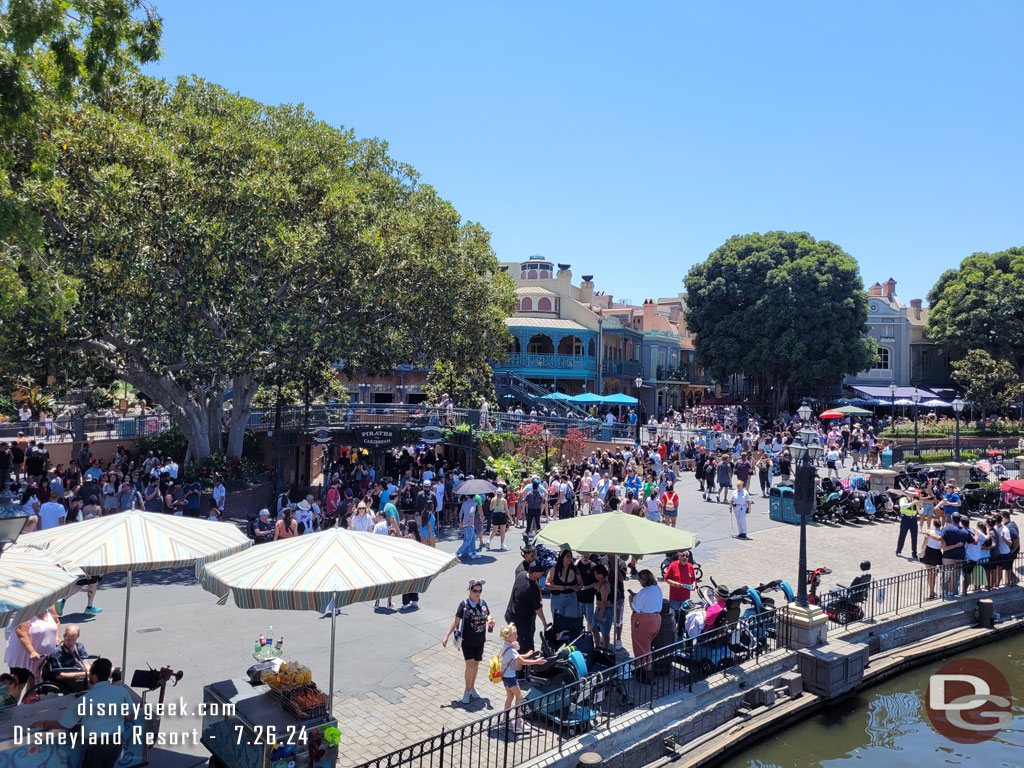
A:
[781,308]
[271,243]
[980,306]
[8,408]
[323,387]
[511,467]
[170,442]
[70,43]
[465,383]
[988,383]
[100,398]
[236,473]
[495,440]
[35,398]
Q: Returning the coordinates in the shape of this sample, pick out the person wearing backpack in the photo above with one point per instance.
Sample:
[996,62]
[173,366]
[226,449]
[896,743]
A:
[508,663]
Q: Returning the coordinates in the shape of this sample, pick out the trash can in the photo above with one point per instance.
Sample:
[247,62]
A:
[781,508]
[886,458]
[126,429]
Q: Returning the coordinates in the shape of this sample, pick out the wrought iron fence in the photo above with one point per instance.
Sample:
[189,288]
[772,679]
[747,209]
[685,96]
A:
[911,591]
[557,713]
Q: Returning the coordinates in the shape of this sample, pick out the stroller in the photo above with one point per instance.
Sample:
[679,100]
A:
[552,694]
[977,500]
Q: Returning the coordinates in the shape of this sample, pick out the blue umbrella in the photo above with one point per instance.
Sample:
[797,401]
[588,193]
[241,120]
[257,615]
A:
[619,399]
[556,396]
[587,398]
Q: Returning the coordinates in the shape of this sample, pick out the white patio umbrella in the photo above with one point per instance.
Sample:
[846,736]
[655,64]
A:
[31,581]
[936,403]
[333,567]
[137,541]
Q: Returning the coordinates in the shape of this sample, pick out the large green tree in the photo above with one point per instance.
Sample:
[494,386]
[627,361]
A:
[52,52]
[989,383]
[980,305]
[782,308]
[208,242]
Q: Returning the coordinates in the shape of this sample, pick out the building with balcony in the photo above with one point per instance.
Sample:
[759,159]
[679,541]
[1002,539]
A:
[561,340]
[671,378]
[906,356]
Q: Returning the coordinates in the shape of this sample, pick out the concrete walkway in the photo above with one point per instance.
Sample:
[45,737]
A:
[395,683]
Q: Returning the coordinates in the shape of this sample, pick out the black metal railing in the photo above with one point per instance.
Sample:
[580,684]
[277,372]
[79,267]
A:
[86,427]
[590,703]
[912,591]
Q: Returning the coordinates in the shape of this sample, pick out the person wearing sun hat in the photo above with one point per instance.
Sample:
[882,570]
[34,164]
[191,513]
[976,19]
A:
[722,594]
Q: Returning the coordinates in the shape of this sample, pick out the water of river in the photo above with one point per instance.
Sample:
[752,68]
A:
[887,727]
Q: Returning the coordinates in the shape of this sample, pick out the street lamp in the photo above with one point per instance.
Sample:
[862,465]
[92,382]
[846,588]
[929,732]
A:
[916,397]
[546,434]
[892,399]
[12,520]
[958,406]
[639,381]
[805,450]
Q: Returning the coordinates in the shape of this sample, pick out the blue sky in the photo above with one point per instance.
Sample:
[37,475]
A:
[631,139]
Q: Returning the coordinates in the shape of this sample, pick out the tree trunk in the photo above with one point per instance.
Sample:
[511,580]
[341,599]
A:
[214,419]
[243,387]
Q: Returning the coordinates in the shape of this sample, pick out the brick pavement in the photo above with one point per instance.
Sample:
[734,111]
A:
[395,684]
[390,718]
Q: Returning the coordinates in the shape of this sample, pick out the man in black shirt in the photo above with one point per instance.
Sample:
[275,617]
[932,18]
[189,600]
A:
[525,605]
[5,466]
[529,558]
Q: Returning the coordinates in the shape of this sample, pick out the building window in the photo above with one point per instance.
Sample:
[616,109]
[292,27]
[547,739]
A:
[591,348]
[544,305]
[570,345]
[532,274]
[540,345]
[882,363]
[527,305]
[926,359]
[888,331]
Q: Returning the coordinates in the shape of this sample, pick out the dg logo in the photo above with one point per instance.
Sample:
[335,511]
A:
[969,701]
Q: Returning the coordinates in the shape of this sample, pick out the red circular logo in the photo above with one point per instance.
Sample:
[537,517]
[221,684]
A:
[969,701]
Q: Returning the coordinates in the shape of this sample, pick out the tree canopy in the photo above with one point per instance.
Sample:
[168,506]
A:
[980,305]
[196,240]
[988,383]
[782,308]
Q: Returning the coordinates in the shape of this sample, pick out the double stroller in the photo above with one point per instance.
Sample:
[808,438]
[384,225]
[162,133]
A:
[560,691]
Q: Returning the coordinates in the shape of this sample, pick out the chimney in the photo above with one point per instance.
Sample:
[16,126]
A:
[587,290]
[915,306]
[875,290]
[889,288]
[649,311]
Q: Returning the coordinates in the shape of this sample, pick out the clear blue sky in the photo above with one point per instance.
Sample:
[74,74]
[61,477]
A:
[631,139]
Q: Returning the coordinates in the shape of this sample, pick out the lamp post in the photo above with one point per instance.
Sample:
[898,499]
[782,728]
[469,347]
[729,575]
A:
[639,381]
[892,399]
[546,434]
[958,406]
[916,397]
[805,449]
[12,519]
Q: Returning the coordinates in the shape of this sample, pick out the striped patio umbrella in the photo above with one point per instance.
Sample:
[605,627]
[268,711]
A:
[31,581]
[333,567]
[138,541]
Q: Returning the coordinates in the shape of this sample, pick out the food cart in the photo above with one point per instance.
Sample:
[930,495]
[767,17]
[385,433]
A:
[16,751]
[280,720]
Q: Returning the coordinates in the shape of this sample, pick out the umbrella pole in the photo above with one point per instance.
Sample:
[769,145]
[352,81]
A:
[334,613]
[124,648]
